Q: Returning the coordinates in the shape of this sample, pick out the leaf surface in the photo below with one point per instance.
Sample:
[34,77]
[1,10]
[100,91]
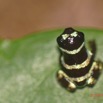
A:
[28,69]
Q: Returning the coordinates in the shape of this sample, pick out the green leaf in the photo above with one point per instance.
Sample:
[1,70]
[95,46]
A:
[28,69]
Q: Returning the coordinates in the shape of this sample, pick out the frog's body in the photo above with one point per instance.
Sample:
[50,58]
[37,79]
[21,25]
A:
[78,65]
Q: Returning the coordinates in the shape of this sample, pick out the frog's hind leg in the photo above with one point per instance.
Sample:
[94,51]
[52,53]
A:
[65,81]
[97,69]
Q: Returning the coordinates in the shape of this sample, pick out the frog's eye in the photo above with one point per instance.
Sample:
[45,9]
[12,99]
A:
[60,41]
[81,36]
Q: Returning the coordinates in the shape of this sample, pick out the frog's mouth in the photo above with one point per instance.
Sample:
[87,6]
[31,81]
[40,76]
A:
[75,51]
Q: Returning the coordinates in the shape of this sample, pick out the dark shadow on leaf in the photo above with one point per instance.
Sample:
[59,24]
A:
[93,47]
[96,73]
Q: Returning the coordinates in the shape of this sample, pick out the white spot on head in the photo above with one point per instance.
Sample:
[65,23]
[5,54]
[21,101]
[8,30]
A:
[64,36]
[74,34]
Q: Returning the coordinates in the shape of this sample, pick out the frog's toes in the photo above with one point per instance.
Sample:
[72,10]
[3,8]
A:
[65,82]
[71,86]
[98,65]
[91,81]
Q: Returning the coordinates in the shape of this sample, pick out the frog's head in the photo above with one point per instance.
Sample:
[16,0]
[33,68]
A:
[70,39]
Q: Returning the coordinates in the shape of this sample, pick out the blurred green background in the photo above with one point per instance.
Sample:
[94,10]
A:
[28,68]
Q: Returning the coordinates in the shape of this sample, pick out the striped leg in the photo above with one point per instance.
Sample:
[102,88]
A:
[65,81]
[98,65]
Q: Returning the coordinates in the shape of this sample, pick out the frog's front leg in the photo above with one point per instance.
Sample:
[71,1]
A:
[65,81]
[97,68]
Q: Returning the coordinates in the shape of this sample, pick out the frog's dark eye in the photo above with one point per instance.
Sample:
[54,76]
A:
[60,41]
[81,36]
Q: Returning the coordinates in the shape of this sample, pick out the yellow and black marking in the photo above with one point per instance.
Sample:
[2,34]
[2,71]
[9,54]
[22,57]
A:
[78,67]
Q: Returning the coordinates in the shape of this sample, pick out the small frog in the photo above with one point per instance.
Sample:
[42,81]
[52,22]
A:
[78,67]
